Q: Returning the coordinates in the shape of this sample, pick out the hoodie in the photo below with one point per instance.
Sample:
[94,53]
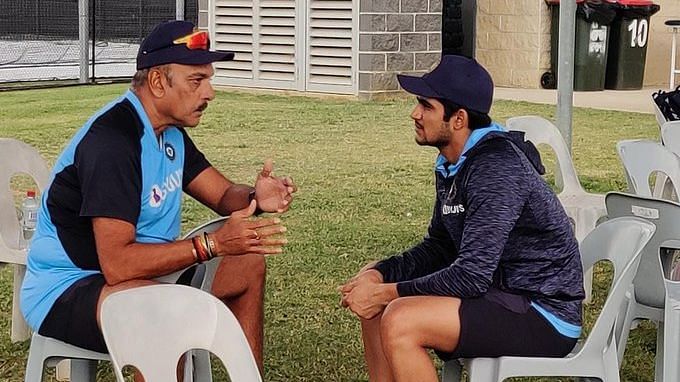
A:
[496,225]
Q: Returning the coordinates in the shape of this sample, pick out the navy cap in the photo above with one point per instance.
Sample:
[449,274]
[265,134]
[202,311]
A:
[161,47]
[457,79]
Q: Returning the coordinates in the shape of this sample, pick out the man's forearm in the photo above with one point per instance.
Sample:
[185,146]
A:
[236,197]
[146,261]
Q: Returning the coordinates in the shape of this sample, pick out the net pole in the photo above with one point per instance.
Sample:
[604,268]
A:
[83,37]
[565,69]
[179,9]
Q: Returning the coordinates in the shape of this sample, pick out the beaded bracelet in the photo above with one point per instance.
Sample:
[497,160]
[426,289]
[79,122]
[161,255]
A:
[200,248]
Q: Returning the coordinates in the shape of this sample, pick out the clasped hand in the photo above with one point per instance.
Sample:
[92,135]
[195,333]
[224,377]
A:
[363,294]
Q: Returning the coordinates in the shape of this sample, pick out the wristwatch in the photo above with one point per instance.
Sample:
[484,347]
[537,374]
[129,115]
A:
[251,197]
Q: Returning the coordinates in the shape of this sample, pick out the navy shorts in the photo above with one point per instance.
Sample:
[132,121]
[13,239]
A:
[73,317]
[501,324]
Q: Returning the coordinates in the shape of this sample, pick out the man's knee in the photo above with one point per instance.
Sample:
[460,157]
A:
[396,329]
[257,267]
[236,275]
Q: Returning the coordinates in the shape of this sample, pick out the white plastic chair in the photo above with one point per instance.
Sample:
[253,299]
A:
[151,327]
[670,136]
[619,241]
[200,367]
[16,157]
[46,351]
[641,159]
[646,300]
[583,208]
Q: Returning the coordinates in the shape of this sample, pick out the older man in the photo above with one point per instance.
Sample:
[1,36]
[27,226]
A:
[499,272]
[110,216]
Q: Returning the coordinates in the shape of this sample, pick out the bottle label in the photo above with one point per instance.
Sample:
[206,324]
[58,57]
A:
[30,219]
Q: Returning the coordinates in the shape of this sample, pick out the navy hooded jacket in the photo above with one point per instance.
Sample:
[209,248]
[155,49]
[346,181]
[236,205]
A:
[496,224]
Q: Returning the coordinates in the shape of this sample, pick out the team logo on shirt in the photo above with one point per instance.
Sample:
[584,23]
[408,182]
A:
[171,184]
[457,209]
[156,196]
[169,151]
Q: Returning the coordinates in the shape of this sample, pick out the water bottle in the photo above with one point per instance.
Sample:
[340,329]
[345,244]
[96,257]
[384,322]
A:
[29,213]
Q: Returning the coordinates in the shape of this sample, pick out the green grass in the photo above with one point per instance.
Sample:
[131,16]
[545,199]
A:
[365,192]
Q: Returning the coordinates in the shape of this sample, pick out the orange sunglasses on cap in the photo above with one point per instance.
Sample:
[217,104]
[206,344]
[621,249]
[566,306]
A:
[197,40]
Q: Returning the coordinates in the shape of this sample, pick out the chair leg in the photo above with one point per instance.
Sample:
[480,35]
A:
[624,323]
[611,363]
[452,371]
[202,368]
[484,370]
[189,366]
[36,360]
[671,352]
[658,359]
[34,367]
[83,370]
[19,330]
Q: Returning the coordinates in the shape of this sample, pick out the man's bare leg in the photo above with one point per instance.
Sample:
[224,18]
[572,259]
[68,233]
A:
[239,282]
[410,326]
[378,367]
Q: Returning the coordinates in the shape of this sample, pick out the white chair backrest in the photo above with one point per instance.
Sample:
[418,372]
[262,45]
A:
[670,136]
[16,157]
[620,241]
[541,131]
[151,327]
[642,158]
[665,215]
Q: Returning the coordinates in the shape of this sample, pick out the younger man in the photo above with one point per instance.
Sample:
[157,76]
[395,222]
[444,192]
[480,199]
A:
[499,271]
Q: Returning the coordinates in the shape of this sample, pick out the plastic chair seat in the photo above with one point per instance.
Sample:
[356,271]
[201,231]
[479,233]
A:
[619,241]
[647,298]
[46,351]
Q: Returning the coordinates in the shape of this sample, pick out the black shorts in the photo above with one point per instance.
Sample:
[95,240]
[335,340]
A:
[499,324]
[73,317]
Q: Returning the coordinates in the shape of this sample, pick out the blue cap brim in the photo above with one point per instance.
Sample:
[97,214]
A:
[205,57]
[417,86]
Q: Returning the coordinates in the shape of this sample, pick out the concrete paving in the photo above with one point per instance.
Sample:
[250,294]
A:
[625,100]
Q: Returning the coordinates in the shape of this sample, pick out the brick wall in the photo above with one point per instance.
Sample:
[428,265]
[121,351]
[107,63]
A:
[396,36]
[513,41]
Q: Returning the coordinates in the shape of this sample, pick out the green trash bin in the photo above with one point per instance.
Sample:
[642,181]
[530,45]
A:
[590,45]
[628,44]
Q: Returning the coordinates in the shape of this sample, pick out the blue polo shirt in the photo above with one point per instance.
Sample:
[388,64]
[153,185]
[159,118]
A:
[114,167]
